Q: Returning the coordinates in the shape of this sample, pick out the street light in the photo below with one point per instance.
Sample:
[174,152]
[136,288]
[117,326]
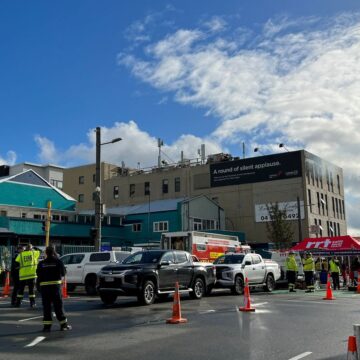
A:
[97,193]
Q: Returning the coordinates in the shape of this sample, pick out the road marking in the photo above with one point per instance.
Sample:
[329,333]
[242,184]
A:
[207,311]
[307,353]
[260,304]
[36,341]
[32,318]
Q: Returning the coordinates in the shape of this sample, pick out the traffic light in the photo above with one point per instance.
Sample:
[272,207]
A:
[93,233]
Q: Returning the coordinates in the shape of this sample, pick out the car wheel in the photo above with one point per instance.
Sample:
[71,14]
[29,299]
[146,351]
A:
[238,288]
[108,298]
[198,289]
[90,285]
[147,293]
[269,283]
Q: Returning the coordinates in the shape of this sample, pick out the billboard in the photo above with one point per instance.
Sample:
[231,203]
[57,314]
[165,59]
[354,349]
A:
[290,208]
[256,169]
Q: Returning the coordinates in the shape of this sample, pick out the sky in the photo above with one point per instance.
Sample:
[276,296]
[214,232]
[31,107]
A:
[219,73]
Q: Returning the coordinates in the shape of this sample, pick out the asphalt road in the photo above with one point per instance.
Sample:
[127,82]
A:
[284,326]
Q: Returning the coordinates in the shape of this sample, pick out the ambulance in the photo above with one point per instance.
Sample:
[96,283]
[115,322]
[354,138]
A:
[207,247]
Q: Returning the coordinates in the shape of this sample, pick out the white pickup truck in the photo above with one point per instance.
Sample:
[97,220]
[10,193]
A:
[82,268]
[232,269]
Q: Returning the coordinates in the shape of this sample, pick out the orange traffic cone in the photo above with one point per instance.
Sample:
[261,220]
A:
[358,285]
[176,315]
[352,350]
[247,306]
[6,290]
[329,294]
[64,289]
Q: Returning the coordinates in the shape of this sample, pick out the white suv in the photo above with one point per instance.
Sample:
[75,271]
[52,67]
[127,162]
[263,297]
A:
[82,268]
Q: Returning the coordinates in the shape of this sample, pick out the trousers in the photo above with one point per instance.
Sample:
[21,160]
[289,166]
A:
[30,283]
[51,295]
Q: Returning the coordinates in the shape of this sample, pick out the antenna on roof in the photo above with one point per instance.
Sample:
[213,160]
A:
[160,144]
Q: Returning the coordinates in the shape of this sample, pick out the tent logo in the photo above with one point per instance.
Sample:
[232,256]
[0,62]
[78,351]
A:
[324,244]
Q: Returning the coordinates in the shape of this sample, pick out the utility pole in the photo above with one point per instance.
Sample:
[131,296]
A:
[98,192]
[299,219]
[47,224]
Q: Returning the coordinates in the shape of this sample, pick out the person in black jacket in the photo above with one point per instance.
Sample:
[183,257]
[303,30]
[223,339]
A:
[50,272]
[15,267]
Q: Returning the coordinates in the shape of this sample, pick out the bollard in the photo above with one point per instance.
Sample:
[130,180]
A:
[357,335]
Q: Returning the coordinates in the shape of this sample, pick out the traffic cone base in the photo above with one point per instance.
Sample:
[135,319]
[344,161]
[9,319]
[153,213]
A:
[6,290]
[247,307]
[176,315]
[352,351]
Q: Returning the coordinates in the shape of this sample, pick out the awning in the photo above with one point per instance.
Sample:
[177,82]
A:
[332,245]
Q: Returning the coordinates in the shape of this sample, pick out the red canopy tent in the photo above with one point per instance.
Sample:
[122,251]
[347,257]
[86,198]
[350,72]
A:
[341,245]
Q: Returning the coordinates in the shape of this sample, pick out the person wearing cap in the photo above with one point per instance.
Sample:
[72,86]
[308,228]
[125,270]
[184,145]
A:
[334,266]
[309,268]
[28,260]
[15,268]
[291,270]
[50,273]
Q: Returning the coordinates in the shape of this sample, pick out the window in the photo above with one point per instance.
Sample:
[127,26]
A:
[197,225]
[81,180]
[3,213]
[132,189]
[255,259]
[309,199]
[318,201]
[326,205]
[209,224]
[136,227]
[316,175]
[338,183]
[331,182]
[64,218]
[55,217]
[321,229]
[337,207]
[343,207]
[181,257]
[165,186]
[147,188]
[81,198]
[168,256]
[177,184]
[200,247]
[322,203]
[39,217]
[104,256]
[72,259]
[160,226]
[56,183]
[23,215]
[333,205]
[116,192]
[340,209]
[338,228]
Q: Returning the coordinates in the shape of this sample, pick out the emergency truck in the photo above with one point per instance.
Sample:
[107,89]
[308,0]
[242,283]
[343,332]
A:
[206,246]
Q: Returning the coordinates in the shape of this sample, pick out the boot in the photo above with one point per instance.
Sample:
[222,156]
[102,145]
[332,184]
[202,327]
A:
[46,328]
[65,327]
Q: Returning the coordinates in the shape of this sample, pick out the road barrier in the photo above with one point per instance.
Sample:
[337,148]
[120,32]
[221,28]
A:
[352,350]
[176,315]
[247,307]
[329,294]
[64,289]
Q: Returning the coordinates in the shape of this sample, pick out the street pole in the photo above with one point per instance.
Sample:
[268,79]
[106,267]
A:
[98,192]
[47,226]
[299,218]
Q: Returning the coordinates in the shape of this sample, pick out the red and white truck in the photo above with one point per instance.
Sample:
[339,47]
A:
[206,246]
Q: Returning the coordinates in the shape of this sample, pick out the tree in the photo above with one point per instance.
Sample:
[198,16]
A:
[278,228]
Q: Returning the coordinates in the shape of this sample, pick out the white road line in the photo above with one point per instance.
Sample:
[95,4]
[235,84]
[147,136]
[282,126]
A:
[307,353]
[36,341]
[207,311]
[260,304]
[32,318]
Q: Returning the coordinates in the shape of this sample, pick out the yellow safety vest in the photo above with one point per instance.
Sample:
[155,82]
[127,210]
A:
[291,263]
[334,267]
[309,264]
[28,261]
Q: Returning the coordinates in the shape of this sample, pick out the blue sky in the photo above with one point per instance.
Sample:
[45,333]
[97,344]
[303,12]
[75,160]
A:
[190,72]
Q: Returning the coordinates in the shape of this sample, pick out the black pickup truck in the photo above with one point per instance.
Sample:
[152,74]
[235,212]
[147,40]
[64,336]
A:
[153,273]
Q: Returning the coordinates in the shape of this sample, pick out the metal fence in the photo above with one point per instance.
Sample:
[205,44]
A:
[68,249]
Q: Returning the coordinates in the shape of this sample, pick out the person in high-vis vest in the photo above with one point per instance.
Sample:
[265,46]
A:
[291,270]
[28,261]
[334,269]
[50,273]
[309,268]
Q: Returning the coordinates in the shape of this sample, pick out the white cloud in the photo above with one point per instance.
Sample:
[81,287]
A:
[298,81]
[9,159]
[136,146]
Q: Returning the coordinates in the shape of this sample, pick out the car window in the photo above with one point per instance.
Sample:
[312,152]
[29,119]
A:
[144,257]
[76,259]
[181,257]
[119,256]
[65,259]
[105,256]
[229,259]
[256,259]
[169,256]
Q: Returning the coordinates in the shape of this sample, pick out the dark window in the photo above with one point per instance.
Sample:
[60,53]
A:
[177,184]
[136,227]
[81,180]
[322,204]
[310,200]
[229,259]
[81,198]
[337,207]
[181,257]
[333,205]
[116,192]
[343,206]
[132,189]
[169,256]
[165,186]
[338,227]
[338,183]
[147,188]
[321,229]
[144,257]
[326,205]
[105,256]
[318,201]
[55,217]
[200,247]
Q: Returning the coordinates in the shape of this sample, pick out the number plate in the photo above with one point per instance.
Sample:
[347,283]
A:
[109,279]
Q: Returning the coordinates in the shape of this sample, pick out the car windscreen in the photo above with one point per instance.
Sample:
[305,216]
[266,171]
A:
[229,259]
[144,257]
